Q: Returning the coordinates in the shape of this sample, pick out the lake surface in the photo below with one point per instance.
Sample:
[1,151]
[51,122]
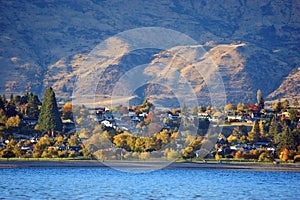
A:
[106,183]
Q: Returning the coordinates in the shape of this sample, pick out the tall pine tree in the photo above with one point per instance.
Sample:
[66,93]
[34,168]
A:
[49,118]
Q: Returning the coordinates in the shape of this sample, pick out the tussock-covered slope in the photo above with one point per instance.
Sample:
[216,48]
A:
[41,41]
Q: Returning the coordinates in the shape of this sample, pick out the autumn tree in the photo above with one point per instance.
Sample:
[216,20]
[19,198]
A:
[49,118]
[13,122]
[230,107]
[188,153]
[67,112]
[295,103]
[73,141]
[253,135]
[262,133]
[125,141]
[285,104]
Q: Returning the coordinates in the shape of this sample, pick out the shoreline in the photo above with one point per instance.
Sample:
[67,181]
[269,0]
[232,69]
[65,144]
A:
[151,165]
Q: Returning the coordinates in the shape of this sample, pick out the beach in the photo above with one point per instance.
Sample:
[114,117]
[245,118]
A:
[150,165]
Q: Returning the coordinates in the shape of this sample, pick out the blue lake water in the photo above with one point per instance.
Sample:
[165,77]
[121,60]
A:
[106,183]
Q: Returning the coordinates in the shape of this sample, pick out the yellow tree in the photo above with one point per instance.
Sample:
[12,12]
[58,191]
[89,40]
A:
[67,111]
[284,154]
[253,135]
[13,121]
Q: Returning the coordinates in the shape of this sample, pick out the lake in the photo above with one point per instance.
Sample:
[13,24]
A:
[107,183]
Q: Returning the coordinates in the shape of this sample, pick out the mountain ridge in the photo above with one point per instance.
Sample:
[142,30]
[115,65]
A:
[42,42]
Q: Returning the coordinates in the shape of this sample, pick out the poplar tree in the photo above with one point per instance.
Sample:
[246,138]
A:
[260,100]
[49,118]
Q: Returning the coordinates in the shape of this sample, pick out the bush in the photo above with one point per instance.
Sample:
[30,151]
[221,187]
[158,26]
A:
[72,154]
[265,157]
[62,154]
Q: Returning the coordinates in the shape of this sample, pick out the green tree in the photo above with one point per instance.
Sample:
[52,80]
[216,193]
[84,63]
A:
[293,116]
[274,131]
[32,110]
[2,105]
[287,139]
[277,106]
[10,109]
[17,100]
[260,100]
[49,118]
[3,117]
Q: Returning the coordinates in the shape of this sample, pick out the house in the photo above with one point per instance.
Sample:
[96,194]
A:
[216,118]
[203,115]
[108,123]
[235,118]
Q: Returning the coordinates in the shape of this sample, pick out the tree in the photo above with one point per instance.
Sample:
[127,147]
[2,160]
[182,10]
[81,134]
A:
[262,130]
[2,105]
[125,141]
[49,118]
[293,113]
[10,109]
[285,104]
[287,139]
[260,100]
[277,106]
[284,154]
[295,103]
[230,107]
[32,110]
[274,130]
[17,100]
[73,141]
[13,121]
[240,106]
[67,111]
[3,117]
[188,152]
[253,135]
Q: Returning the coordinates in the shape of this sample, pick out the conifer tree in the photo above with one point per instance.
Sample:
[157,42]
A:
[2,104]
[274,130]
[49,118]
[32,110]
[287,139]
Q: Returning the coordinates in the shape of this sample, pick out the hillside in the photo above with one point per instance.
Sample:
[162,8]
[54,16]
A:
[43,43]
